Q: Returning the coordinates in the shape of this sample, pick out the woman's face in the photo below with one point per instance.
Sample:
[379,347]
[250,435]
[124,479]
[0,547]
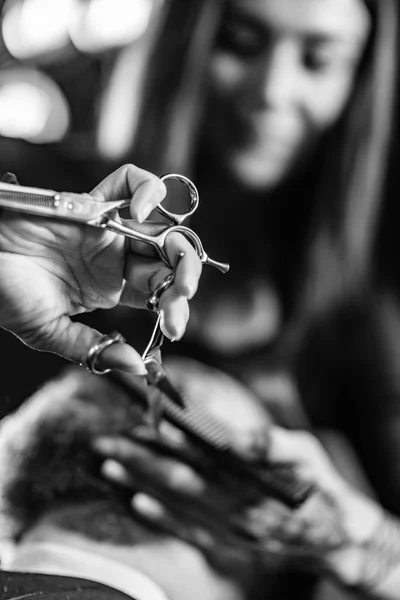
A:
[281,74]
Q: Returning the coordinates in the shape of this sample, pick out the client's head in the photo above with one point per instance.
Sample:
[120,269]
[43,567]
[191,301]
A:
[45,460]
[51,489]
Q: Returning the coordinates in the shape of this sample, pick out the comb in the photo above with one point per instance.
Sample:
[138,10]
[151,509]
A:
[216,442]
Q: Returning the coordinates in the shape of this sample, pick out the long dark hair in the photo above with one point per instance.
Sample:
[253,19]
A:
[175,86]
[349,186]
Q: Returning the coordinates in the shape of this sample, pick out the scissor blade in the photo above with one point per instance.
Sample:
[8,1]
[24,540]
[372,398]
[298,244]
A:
[157,376]
[60,205]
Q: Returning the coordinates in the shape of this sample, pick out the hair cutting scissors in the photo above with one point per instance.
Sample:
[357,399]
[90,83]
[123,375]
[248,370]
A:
[83,208]
[209,434]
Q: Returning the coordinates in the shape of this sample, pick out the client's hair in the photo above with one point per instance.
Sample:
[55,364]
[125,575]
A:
[46,461]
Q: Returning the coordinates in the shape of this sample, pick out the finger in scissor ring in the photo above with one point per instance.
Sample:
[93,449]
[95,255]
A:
[94,352]
[154,298]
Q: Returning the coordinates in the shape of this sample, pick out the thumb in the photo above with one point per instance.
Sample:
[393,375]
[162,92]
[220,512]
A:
[73,341]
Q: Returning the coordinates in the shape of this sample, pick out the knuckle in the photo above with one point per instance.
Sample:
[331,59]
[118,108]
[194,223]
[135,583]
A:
[130,170]
[175,240]
[41,336]
[308,443]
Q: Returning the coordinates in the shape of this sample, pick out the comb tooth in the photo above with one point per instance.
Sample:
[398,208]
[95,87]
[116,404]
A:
[196,420]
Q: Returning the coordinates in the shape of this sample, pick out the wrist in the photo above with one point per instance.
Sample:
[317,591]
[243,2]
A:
[361,518]
[369,563]
[379,576]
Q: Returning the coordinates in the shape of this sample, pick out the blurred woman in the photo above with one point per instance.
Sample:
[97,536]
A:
[282,114]
[281,111]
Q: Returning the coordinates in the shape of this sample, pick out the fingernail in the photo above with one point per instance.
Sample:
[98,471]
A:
[9,178]
[144,211]
[173,338]
[147,196]
[147,506]
[111,469]
[124,358]
[162,188]
[190,291]
[176,329]
[135,369]
[189,288]
[104,445]
[178,336]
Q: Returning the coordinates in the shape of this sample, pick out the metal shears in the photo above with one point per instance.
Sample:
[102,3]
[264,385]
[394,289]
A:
[82,208]
[209,434]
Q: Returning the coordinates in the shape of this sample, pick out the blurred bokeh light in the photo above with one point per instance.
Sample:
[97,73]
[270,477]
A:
[32,107]
[33,29]
[103,24]
[69,70]
[36,29]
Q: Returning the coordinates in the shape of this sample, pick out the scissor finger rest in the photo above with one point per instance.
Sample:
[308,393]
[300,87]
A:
[193,238]
[85,209]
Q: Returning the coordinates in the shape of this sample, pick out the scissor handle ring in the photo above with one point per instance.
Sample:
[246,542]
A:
[177,219]
[97,349]
[188,233]
[154,298]
[194,239]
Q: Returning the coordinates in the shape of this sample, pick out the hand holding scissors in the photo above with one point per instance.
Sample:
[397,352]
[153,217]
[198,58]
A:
[53,269]
[85,209]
